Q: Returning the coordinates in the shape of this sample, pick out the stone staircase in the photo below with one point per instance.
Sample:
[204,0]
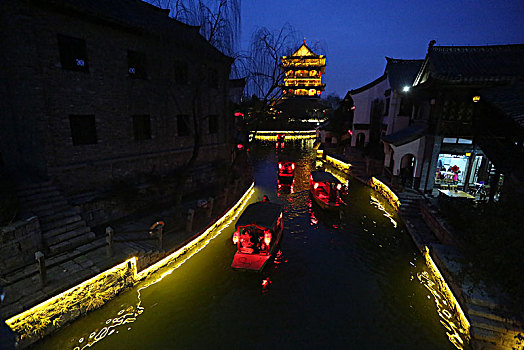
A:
[62,226]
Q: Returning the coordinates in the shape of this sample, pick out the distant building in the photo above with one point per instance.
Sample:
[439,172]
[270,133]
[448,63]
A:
[99,91]
[303,73]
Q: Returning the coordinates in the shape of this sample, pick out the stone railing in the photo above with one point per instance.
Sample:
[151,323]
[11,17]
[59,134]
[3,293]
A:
[18,244]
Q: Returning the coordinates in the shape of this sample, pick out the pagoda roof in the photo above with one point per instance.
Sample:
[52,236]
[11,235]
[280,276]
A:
[473,64]
[304,51]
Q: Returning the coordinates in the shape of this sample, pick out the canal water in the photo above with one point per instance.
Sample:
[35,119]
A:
[352,280]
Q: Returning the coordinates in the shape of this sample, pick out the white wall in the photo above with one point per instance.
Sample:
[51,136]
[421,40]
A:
[363,102]
[415,148]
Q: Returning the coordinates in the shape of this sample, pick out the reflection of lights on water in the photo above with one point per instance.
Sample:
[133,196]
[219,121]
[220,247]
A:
[451,315]
[374,201]
[455,332]
[130,314]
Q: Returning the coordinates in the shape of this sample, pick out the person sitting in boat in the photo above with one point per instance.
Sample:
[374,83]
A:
[266,199]
[246,242]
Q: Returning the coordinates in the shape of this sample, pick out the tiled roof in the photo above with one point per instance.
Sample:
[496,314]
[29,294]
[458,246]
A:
[406,135]
[368,85]
[508,98]
[402,72]
[132,14]
[476,64]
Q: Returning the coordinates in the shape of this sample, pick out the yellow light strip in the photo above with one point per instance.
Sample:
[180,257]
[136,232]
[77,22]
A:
[345,167]
[290,135]
[171,264]
[450,298]
[385,191]
[35,321]
[375,201]
[229,216]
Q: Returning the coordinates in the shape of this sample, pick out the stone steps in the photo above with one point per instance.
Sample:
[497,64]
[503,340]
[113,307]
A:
[66,227]
[71,243]
[45,219]
[61,224]
[30,199]
[61,221]
[66,235]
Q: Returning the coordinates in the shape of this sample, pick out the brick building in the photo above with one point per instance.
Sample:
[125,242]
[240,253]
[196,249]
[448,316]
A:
[99,91]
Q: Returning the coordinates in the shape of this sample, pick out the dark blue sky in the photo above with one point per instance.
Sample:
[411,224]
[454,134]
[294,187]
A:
[357,35]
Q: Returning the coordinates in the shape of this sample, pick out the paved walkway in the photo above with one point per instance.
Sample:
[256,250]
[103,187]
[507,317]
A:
[23,289]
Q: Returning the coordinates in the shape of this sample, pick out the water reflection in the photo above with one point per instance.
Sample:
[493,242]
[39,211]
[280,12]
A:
[454,331]
[355,281]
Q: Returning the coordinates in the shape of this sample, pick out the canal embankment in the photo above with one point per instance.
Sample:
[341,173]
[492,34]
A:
[483,318]
[93,277]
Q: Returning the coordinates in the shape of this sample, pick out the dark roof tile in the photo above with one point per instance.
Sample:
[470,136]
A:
[476,64]
[402,72]
[508,98]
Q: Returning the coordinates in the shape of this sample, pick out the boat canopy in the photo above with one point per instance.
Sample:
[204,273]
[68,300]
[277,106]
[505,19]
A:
[262,214]
[322,176]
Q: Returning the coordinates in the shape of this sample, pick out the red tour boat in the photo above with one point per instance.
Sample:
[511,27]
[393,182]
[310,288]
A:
[257,235]
[286,171]
[325,190]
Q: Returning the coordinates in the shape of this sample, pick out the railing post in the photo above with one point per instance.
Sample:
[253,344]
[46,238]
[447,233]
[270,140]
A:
[159,232]
[109,239]
[39,256]
[189,220]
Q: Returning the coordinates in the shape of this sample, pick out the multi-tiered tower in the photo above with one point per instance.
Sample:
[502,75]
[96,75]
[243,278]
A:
[303,73]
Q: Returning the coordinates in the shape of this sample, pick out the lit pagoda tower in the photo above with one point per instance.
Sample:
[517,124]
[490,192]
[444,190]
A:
[303,73]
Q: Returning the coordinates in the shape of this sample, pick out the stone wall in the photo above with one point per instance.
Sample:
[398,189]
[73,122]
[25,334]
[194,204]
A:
[18,244]
[60,310]
[437,225]
[43,95]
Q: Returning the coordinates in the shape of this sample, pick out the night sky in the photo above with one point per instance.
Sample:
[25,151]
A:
[357,35]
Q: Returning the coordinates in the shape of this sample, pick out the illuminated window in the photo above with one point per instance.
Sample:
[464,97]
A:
[73,53]
[136,64]
[182,123]
[83,129]
[181,72]
[213,124]
[142,127]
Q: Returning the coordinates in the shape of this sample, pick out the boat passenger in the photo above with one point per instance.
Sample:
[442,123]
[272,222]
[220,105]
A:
[266,199]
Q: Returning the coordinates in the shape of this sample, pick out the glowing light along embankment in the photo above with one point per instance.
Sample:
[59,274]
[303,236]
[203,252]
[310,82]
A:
[49,315]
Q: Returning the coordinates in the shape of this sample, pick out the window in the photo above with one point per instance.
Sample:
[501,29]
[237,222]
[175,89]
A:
[181,72]
[73,53]
[213,124]
[182,122]
[213,78]
[386,111]
[142,127]
[83,129]
[136,62]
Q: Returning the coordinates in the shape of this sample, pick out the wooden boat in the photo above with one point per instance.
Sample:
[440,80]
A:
[286,172]
[258,232]
[325,190]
